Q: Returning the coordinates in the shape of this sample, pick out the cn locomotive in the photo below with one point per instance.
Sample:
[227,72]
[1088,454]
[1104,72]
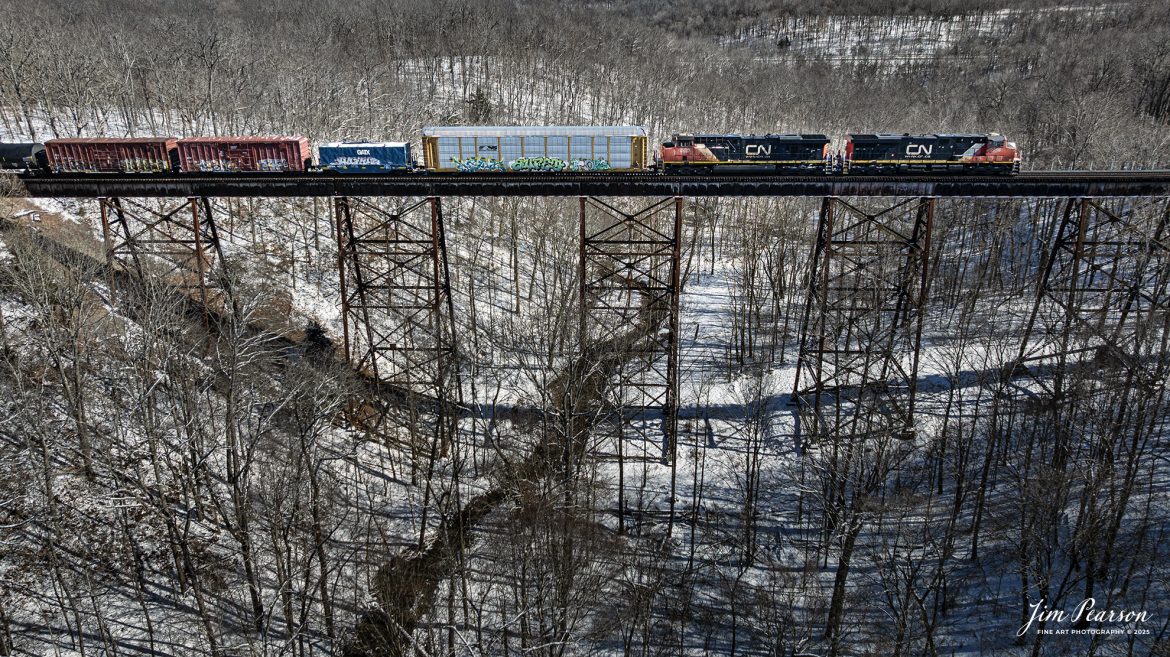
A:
[786,153]
[528,149]
[871,154]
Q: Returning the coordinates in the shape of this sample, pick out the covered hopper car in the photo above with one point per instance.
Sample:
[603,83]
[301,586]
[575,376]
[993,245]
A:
[365,157]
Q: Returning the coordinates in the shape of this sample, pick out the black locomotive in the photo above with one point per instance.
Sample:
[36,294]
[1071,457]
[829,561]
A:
[790,152]
[891,153]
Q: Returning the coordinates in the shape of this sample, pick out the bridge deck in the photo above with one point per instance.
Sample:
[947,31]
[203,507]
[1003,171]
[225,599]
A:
[1027,184]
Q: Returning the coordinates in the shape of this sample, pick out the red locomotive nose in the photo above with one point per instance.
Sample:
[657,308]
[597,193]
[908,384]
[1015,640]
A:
[670,151]
[849,149]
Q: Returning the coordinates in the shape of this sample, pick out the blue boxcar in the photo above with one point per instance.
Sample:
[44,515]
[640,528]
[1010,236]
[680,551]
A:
[366,157]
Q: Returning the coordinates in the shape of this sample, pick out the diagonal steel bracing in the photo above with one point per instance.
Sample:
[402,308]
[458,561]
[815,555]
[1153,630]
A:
[1104,292]
[397,310]
[630,281]
[861,331]
[175,242]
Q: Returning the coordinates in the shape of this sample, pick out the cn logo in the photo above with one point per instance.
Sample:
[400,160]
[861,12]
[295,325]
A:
[756,150]
[919,150]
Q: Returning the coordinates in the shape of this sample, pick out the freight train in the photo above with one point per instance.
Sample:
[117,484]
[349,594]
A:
[527,149]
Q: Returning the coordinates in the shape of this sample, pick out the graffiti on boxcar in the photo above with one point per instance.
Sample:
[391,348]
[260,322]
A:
[272,164]
[144,165]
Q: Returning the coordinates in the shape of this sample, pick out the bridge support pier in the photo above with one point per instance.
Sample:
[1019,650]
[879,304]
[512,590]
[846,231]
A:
[1104,292]
[861,332]
[396,306]
[630,282]
[181,238]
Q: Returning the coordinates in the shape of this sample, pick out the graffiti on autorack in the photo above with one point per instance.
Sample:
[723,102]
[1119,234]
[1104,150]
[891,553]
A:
[476,164]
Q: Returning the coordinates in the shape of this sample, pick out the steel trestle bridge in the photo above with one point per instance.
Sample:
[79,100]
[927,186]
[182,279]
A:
[1103,288]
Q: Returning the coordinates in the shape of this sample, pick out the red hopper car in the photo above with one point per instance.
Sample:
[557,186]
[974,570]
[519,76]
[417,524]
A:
[230,154]
[143,155]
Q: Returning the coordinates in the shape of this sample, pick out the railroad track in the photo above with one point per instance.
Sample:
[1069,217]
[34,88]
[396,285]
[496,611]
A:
[1028,183]
[580,177]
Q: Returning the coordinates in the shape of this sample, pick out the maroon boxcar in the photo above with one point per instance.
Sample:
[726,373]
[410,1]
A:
[141,155]
[244,154]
